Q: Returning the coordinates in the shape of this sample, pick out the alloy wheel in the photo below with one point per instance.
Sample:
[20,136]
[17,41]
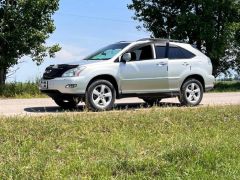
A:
[193,92]
[102,96]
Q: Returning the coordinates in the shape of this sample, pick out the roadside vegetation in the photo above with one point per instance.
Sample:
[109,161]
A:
[20,90]
[161,143]
[227,86]
[30,89]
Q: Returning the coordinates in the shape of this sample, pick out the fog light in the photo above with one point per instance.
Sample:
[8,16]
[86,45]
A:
[71,86]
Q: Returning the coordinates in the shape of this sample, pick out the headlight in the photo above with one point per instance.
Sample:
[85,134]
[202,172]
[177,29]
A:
[74,72]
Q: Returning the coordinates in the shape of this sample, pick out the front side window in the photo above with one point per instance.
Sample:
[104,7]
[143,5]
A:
[107,52]
[179,53]
[142,53]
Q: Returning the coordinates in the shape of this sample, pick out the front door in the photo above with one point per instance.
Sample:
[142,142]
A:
[144,73]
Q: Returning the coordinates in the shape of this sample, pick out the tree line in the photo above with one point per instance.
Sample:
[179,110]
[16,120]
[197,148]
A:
[212,25]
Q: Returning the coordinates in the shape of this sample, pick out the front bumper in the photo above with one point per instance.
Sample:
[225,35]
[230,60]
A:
[58,95]
[72,85]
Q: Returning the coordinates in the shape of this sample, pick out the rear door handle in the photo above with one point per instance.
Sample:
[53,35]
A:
[161,64]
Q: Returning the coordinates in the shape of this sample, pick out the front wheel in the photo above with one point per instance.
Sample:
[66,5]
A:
[191,93]
[100,96]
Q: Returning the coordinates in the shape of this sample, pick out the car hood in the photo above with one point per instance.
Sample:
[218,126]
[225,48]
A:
[84,62]
[54,71]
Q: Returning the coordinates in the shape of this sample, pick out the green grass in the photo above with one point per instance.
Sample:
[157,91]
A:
[20,90]
[171,143]
[227,86]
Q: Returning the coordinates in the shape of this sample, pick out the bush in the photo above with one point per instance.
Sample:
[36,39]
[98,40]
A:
[227,86]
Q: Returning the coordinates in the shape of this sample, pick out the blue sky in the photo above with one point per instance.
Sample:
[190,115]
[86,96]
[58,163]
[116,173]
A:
[83,27]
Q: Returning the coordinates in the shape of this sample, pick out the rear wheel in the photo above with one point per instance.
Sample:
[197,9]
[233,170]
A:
[100,96]
[67,104]
[152,101]
[191,93]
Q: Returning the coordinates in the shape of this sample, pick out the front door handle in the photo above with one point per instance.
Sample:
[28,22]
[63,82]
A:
[185,64]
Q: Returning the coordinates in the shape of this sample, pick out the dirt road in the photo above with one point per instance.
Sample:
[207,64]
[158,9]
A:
[12,107]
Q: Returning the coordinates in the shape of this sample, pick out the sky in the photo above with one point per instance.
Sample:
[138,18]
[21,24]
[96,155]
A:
[83,27]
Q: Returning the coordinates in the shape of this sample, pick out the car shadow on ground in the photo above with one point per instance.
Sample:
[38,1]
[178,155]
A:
[81,108]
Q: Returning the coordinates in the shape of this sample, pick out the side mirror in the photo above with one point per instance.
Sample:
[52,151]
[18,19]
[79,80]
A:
[126,57]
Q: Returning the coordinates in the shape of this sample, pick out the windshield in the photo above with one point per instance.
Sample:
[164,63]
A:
[107,52]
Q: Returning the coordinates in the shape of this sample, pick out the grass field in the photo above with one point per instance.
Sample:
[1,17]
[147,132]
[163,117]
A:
[169,143]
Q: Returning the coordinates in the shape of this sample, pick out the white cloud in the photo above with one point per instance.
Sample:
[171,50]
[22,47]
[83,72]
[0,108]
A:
[71,53]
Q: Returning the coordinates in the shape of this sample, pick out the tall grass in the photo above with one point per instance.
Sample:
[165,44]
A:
[176,143]
[20,90]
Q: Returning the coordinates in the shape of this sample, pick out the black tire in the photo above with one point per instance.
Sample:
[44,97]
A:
[67,104]
[191,93]
[152,101]
[102,101]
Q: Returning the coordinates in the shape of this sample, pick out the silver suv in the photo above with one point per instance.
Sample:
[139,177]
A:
[151,69]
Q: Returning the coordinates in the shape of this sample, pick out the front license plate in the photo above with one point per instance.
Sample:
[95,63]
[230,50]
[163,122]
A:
[44,84]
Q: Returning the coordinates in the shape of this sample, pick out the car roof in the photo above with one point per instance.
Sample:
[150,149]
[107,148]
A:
[160,40]
[155,40]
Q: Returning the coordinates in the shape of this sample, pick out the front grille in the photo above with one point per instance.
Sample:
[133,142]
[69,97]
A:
[52,71]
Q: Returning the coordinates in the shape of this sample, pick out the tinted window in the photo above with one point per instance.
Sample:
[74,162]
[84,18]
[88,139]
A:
[179,53]
[187,54]
[146,53]
[160,52]
[143,53]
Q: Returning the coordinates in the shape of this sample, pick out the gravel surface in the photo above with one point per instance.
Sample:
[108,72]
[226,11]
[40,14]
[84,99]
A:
[12,107]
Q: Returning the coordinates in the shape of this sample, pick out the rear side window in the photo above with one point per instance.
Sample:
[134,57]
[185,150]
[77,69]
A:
[179,53]
[160,52]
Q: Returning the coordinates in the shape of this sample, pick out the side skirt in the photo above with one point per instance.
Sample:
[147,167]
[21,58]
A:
[154,95]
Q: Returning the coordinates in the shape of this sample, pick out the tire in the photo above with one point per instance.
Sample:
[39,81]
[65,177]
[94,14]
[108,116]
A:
[100,96]
[67,104]
[191,93]
[152,101]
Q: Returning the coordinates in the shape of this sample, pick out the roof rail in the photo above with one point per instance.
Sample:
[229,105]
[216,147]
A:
[160,39]
[152,39]
[124,41]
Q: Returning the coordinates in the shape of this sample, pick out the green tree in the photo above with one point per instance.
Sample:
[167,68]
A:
[212,25]
[24,27]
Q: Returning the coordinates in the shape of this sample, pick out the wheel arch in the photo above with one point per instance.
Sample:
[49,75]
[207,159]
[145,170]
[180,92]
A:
[197,77]
[107,77]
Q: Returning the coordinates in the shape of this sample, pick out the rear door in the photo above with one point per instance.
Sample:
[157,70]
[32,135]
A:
[179,65]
